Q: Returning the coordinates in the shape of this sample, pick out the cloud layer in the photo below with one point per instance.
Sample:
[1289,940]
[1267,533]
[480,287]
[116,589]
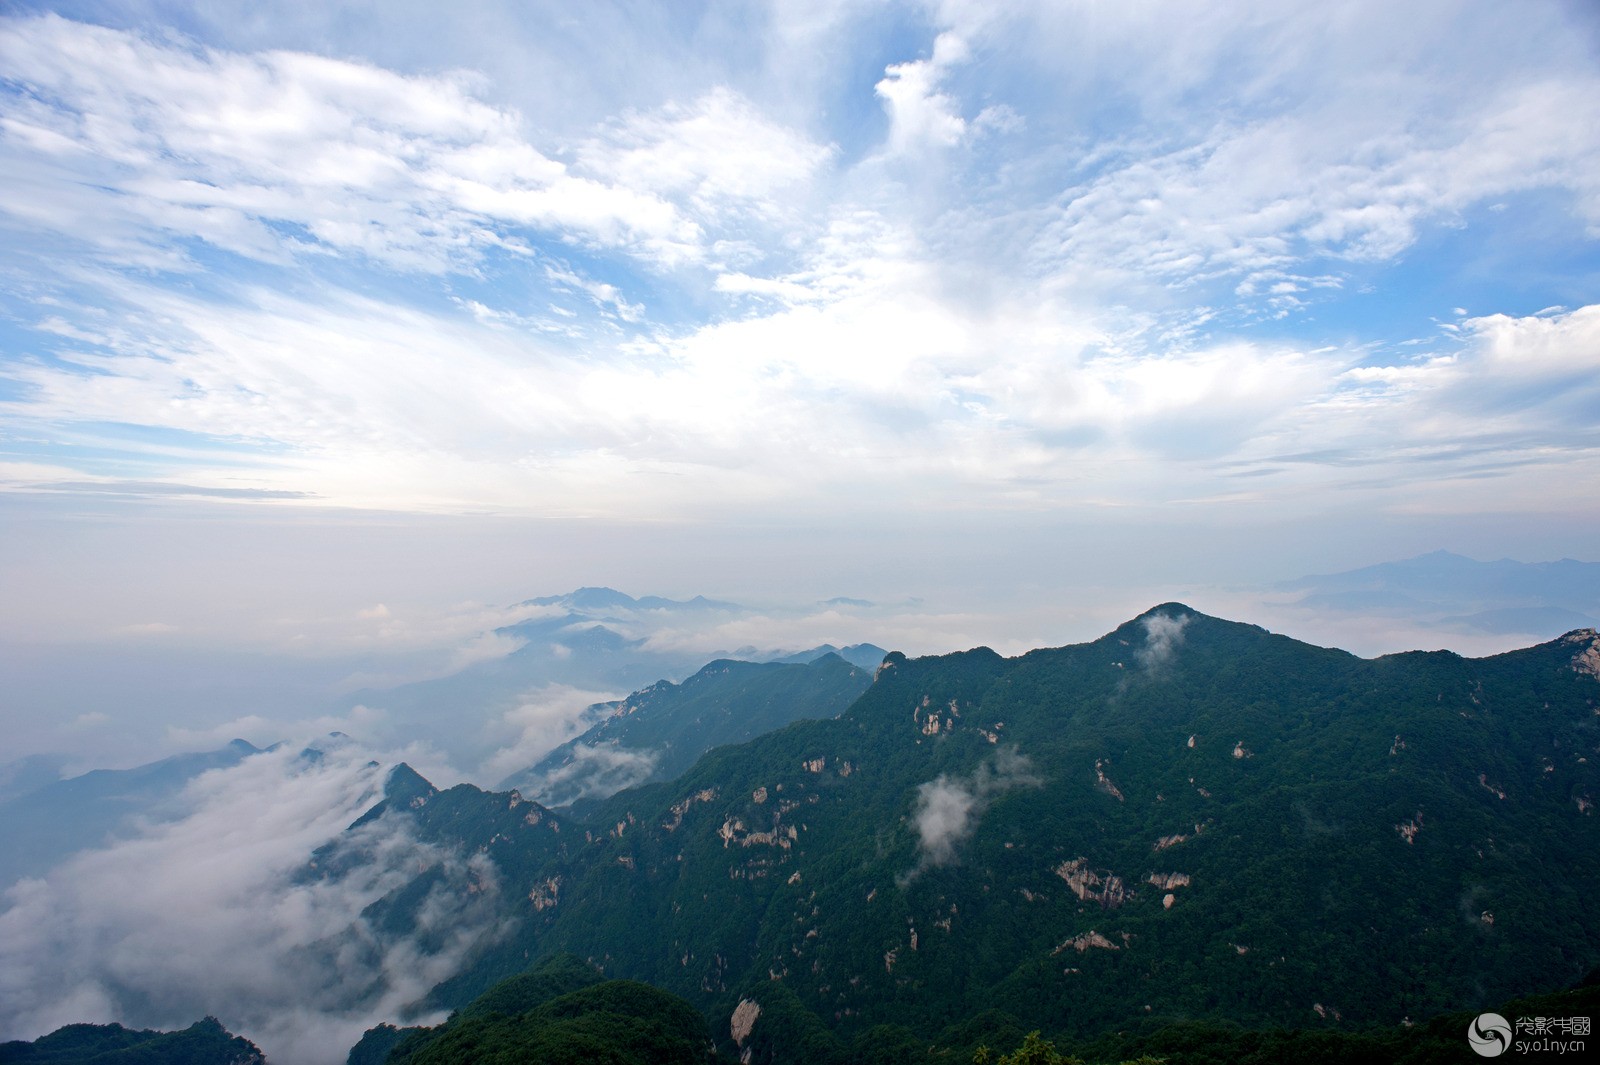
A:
[206,916]
[992,272]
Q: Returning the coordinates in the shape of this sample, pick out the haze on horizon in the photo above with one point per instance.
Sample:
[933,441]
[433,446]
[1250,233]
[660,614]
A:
[327,334]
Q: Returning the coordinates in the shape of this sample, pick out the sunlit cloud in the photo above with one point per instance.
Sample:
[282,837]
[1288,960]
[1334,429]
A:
[702,304]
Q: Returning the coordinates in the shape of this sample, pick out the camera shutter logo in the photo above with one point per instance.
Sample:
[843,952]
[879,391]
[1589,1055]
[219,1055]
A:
[1489,1034]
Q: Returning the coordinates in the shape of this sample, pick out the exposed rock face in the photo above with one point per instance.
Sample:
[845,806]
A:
[1104,783]
[1587,660]
[1088,940]
[678,809]
[733,831]
[1176,838]
[1168,881]
[1410,829]
[1103,887]
[743,1020]
[545,894]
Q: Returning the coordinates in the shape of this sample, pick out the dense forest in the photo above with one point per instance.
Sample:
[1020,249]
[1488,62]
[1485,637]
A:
[1187,822]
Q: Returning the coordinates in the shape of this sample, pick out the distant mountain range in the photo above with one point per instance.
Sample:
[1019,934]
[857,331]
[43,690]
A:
[42,824]
[591,639]
[1187,821]
[1454,592]
[600,600]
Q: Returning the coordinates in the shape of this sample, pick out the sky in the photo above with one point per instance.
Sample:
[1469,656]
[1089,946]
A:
[328,330]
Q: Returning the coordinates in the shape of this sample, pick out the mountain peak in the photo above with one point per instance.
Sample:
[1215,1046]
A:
[1172,609]
[405,785]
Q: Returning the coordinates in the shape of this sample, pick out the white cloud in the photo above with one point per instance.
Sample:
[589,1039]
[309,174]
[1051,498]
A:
[290,964]
[920,115]
[718,156]
[594,771]
[1163,637]
[127,142]
[947,809]
[542,720]
[759,312]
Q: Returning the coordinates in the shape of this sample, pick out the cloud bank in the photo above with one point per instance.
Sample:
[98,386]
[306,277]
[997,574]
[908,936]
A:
[207,916]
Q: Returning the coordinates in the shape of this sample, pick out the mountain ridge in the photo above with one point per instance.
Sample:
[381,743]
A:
[1188,813]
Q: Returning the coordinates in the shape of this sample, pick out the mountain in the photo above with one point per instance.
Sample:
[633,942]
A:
[1187,821]
[866,655]
[593,600]
[560,1012]
[1456,592]
[657,733]
[595,640]
[202,1043]
[41,826]
[592,640]
[30,774]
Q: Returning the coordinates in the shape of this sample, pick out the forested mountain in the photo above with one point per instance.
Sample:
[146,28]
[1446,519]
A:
[561,1012]
[1188,820]
[202,1043]
[658,733]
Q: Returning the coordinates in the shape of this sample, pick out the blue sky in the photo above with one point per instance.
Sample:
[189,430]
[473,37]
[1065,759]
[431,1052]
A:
[1214,276]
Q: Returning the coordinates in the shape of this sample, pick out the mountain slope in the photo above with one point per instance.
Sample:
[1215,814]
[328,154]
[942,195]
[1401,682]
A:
[1187,819]
[657,733]
[559,1012]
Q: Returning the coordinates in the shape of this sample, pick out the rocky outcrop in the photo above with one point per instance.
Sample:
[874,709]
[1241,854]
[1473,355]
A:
[678,809]
[545,894]
[742,1023]
[1090,940]
[1104,782]
[1409,830]
[1587,660]
[1091,885]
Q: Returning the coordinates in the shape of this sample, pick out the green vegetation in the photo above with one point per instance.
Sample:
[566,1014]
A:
[561,1012]
[1201,827]
[674,724]
[202,1043]
[1034,1051]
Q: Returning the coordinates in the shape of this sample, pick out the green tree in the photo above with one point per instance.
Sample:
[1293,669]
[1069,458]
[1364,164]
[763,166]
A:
[1035,1050]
